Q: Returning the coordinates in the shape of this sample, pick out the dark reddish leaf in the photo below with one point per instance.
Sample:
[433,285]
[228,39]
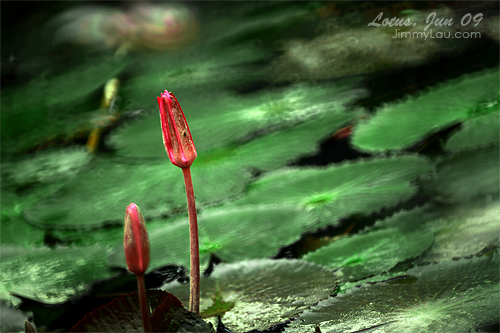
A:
[121,315]
[124,315]
[171,316]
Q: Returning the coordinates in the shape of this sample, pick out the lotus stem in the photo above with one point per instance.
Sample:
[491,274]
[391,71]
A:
[143,301]
[194,286]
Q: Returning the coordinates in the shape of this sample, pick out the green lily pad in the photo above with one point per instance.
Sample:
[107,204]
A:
[48,105]
[227,119]
[111,235]
[45,167]
[401,124]
[51,275]
[452,296]
[69,85]
[263,22]
[480,131]
[100,192]
[377,249]
[337,191]
[192,71]
[286,146]
[463,230]
[16,232]
[466,175]
[346,286]
[269,291]
[234,233]
[344,45]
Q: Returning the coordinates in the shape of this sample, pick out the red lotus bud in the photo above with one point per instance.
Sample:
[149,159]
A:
[175,130]
[136,241]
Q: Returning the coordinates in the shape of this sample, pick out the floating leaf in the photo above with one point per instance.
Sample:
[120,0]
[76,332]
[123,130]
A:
[479,131]
[51,276]
[192,70]
[286,146]
[346,286]
[466,175]
[452,296]
[48,105]
[347,46]
[226,119]
[233,234]
[250,22]
[16,232]
[376,250]
[71,84]
[401,124]
[338,191]
[100,193]
[271,291]
[45,167]
[463,230]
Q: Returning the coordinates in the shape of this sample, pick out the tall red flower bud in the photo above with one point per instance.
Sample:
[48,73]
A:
[136,241]
[175,130]
[180,148]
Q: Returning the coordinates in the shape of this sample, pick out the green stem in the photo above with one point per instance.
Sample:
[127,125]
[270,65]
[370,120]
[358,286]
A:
[194,285]
[143,301]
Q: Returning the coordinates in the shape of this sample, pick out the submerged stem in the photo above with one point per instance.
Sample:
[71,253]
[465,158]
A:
[194,285]
[143,301]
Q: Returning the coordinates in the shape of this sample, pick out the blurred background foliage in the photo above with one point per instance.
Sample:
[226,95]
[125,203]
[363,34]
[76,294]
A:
[328,151]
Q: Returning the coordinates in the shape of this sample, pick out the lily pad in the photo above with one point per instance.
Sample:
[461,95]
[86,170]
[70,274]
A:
[348,46]
[250,22]
[466,175]
[362,186]
[51,276]
[45,167]
[463,229]
[286,146]
[451,296]
[71,84]
[399,125]
[99,194]
[16,232]
[228,119]
[47,105]
[270,291]
[191,71]
[480,131]
[377,249]
[234,233]
[346,286]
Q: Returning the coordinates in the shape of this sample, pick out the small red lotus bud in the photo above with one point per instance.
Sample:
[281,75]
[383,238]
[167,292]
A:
[175,130]
[136,241]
